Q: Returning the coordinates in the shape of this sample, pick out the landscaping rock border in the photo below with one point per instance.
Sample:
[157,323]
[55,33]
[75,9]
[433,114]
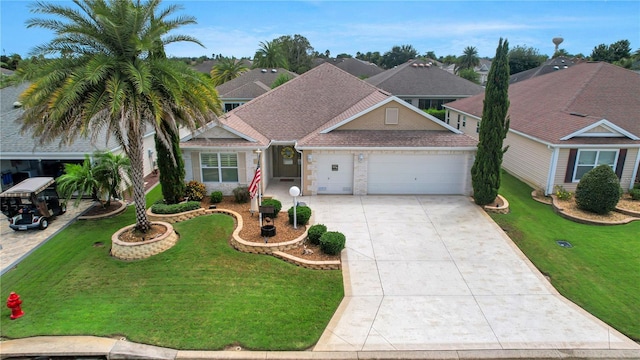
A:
[142,250]
[121,209]
[557,209]
[500,209]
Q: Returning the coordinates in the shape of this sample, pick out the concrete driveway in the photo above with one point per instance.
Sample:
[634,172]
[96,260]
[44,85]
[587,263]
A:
[436,273]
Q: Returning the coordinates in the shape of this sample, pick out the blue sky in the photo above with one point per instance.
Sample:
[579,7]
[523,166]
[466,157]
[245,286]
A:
[235,28]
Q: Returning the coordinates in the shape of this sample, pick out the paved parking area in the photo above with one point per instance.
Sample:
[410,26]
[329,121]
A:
[15,245]
[436,273]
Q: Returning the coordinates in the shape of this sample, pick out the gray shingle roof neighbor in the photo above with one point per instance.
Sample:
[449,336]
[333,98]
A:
[14,145]
[356,67]
[414,78]
[558,104]
[293,110]
[251,84]
[549,66]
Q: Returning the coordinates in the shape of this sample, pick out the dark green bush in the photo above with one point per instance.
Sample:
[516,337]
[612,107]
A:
[241,194]
[635,194]
[332,242]
[599,190]
[303,214]
[175,208]
[315,232]
[277,205]
[440,114]
[216,197]
[195,191]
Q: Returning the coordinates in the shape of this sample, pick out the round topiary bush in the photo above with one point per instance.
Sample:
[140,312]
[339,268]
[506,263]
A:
[241,194]
[332,242]
[195,191]
[303,215]
[216,197]
[598,190]
[315,232]
[277,205]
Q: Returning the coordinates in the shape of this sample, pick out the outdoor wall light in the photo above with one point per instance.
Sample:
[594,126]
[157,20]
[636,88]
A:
[360,157]
[309,157]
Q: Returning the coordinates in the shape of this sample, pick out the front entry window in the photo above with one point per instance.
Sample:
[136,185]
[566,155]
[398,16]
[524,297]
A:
[588,159]
[219,167]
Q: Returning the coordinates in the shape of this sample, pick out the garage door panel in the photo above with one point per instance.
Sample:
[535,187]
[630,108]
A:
[416,174]
[335,174]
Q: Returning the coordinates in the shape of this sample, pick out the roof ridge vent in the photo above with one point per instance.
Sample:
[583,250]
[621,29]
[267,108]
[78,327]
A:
[263,70]
[577,114]
[274,70]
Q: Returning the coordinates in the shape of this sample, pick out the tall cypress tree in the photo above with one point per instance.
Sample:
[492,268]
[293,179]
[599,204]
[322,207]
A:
[171,167]
[485,173]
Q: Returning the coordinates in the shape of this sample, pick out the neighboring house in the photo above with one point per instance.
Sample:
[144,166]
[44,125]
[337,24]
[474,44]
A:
[206,66]
[22,156]
[565,123]
[356,67]
[551,65]
[482,70]
[337,135]
[424,85]
[248,85]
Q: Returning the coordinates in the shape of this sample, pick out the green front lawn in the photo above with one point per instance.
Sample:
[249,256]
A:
[600,273]
[200,294]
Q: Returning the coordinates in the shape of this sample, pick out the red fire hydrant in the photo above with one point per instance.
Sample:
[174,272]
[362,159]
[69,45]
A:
[13,303]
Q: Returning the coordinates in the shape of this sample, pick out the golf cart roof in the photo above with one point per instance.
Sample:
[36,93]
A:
[28,186]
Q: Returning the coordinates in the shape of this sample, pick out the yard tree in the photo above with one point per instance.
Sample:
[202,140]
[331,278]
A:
[270,55]
[113,171]
[612,53]
[227,69]
[171,167]
[112,80]
[297,50]
[398,55]
[468,60]
[523,58]
[485,172]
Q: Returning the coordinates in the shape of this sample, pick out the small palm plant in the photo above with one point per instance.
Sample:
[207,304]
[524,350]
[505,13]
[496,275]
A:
[113,172]
[78,179]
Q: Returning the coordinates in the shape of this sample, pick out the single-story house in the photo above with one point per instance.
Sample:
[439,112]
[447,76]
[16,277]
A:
[249,85]
[22,156]
[335,134]
[551,65]
[424,85]
[565,123]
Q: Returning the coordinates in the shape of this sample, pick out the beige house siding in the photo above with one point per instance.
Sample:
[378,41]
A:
[527,160]
[217,132]
[625,180]
[407,120]
[465,123]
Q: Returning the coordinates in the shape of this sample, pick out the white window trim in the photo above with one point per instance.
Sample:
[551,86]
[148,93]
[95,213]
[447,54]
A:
[575,166]
[220,167]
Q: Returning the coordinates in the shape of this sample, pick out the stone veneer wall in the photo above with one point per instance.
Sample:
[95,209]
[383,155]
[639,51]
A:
[142,250]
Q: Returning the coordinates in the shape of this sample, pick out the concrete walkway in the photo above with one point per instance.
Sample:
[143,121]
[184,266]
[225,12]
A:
[436,273]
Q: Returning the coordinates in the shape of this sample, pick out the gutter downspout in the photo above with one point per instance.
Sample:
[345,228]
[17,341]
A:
[552,170]
[295,146]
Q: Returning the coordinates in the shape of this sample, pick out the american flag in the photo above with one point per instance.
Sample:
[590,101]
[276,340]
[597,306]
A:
[255,183]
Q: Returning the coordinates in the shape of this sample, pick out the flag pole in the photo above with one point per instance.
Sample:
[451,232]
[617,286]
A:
[259,191]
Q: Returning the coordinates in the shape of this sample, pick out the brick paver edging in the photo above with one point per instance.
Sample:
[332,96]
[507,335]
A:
[275,249]
[144,249]
[500,209]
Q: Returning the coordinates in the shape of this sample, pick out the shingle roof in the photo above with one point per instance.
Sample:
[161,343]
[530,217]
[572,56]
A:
[295,109]
[353,66]
[389,138]
[551,106]
[251,84]
[549,66]
[409,80]
[15,145]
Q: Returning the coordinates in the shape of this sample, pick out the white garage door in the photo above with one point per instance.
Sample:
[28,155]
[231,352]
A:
[417,174]
[335,173]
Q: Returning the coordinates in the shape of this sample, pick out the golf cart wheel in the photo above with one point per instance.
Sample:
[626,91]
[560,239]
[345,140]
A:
[44,223]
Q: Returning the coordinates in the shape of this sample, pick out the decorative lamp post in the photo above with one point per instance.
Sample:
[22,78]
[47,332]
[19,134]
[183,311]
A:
[295,191]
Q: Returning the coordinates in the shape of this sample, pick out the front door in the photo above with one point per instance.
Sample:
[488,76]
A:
[286,162]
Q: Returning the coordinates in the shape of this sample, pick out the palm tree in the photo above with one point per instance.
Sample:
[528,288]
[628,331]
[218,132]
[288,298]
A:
[113,80]
[79,179]
[469,59]
[113,171]
[270,55]
[227,69]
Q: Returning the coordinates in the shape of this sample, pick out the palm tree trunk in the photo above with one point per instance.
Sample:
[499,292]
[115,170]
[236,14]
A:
[136,150]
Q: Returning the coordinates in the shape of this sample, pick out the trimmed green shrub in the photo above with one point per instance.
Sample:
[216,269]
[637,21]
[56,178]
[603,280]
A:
[303,214]
[195,191]
[635,194]
[332,242]
[315,232]
[175,208]
[598,190]
[216,197]
[241,194]
[277,205]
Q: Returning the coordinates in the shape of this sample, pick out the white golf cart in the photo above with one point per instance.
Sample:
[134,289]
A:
[31,203]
